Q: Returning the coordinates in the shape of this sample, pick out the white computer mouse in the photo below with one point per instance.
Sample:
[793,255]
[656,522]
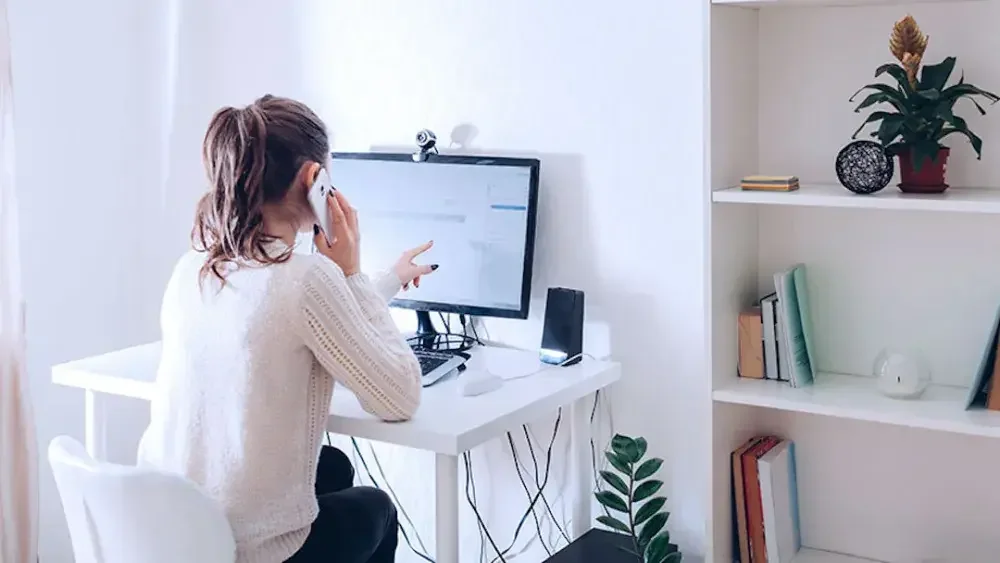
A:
[477,383]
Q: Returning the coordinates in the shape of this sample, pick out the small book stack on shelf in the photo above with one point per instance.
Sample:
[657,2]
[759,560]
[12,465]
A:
[766,503]
[770,183]
[775,338]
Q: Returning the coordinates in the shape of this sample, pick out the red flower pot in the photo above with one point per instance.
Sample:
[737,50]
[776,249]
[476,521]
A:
[929,179]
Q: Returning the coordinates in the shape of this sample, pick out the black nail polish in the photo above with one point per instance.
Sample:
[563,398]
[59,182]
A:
[434,267]
[315,230]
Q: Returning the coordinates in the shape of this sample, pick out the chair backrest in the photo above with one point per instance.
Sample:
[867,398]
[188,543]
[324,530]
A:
[125,514]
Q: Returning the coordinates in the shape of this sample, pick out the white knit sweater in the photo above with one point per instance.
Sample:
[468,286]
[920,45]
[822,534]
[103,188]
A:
[245,381]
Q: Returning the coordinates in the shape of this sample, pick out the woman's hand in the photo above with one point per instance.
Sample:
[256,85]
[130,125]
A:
[407,271]
[345,249]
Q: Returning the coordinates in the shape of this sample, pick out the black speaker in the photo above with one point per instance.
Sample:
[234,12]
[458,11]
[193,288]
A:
[562,334]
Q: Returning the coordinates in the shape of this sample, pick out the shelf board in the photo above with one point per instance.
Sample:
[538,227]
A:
[856,397]
[955,200]
[806,555]
[827,3]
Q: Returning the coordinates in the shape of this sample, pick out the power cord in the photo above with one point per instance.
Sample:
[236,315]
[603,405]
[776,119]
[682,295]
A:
[395,499]
[538,484]
[402,530]
[482,525]
[524,485]
[534,499]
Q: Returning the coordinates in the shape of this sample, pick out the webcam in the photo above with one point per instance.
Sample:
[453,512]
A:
[426,145]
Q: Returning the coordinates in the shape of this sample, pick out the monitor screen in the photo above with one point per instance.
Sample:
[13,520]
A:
[479,211]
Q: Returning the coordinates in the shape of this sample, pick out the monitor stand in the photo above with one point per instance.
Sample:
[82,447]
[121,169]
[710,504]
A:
[426,332]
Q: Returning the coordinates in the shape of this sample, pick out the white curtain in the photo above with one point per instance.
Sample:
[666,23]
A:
[18,455]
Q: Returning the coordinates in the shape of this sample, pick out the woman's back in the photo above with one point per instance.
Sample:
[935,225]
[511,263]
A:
[240,403]
[254,337]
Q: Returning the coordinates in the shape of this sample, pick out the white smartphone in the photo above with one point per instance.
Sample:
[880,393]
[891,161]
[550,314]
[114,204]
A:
[321,189]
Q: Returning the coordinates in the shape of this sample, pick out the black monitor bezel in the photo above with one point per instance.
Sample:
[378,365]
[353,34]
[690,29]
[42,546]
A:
[533,164]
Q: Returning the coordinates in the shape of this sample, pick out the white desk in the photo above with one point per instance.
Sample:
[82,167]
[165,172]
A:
[447,423]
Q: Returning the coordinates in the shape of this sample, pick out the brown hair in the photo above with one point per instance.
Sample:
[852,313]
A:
[252,155]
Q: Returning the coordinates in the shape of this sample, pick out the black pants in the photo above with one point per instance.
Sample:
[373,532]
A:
[355,524]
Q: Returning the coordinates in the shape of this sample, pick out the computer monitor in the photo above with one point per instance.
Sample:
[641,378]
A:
[479,211]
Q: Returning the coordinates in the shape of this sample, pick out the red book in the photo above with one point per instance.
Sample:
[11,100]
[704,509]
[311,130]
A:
[755,507]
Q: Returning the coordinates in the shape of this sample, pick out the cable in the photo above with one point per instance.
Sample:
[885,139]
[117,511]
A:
[482,525]
[471,479]
[545,481]
[524,485]
[402,530]
[548,367]
[395,499]
[545,501]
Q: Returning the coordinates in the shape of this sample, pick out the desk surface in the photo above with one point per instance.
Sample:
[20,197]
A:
[446,422]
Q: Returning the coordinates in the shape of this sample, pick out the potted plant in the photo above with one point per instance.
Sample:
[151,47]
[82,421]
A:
[920,111]
[632,494]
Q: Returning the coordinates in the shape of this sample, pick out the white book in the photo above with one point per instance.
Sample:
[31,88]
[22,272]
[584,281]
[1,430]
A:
[780,503]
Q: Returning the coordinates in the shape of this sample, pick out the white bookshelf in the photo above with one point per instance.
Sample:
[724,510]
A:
[957,200]
[880,479]
[756,4]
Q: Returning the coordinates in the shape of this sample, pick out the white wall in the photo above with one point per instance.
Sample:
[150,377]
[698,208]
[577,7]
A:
[609,99]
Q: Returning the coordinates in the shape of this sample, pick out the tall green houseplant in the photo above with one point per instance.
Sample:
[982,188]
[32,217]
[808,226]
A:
[632,495]
[919,110]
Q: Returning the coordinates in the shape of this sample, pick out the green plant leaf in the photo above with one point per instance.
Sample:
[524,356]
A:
[625,447]
[964,90]
[618,463]
[881,98]
[672,557]
[977,143]
[883,88]
[876,116]
[897,72]
[936,76]
[647,510]
[672,548]
[889,129]
[648,468]
[931,94]
[612,501]
[646,489]
[615,481]
[614,524]
[641,444]
[656,550]
[652,527]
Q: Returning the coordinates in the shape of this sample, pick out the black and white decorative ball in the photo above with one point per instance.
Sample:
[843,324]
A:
[864,167]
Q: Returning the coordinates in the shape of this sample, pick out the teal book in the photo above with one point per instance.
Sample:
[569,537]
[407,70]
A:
[796,320]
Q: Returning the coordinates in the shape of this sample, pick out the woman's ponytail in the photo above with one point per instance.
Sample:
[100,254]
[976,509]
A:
[251,157]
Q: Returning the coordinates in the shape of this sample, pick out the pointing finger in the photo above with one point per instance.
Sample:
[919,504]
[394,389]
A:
[417,251]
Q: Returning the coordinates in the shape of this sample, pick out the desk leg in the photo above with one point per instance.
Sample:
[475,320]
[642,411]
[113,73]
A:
[94,428]
[583,476]
[446,508]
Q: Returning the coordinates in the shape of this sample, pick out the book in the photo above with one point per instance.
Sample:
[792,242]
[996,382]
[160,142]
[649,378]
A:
[768,307]
[780,503]
[795,325]
[979,391]
[739,501]
[751,345]
[772,183]
[755,511]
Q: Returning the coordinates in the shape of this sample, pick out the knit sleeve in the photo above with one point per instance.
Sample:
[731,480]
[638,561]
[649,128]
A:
[346,324]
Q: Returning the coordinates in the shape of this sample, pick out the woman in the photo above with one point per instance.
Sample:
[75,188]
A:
[254,338]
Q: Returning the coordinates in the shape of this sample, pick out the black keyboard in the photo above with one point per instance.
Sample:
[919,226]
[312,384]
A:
[431,360]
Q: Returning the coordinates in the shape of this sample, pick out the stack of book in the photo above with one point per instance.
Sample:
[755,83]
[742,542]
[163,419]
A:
[775,337]
[770,183]
[766,501]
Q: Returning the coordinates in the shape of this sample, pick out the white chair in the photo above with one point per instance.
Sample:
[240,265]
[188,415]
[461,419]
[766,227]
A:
[125,514]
